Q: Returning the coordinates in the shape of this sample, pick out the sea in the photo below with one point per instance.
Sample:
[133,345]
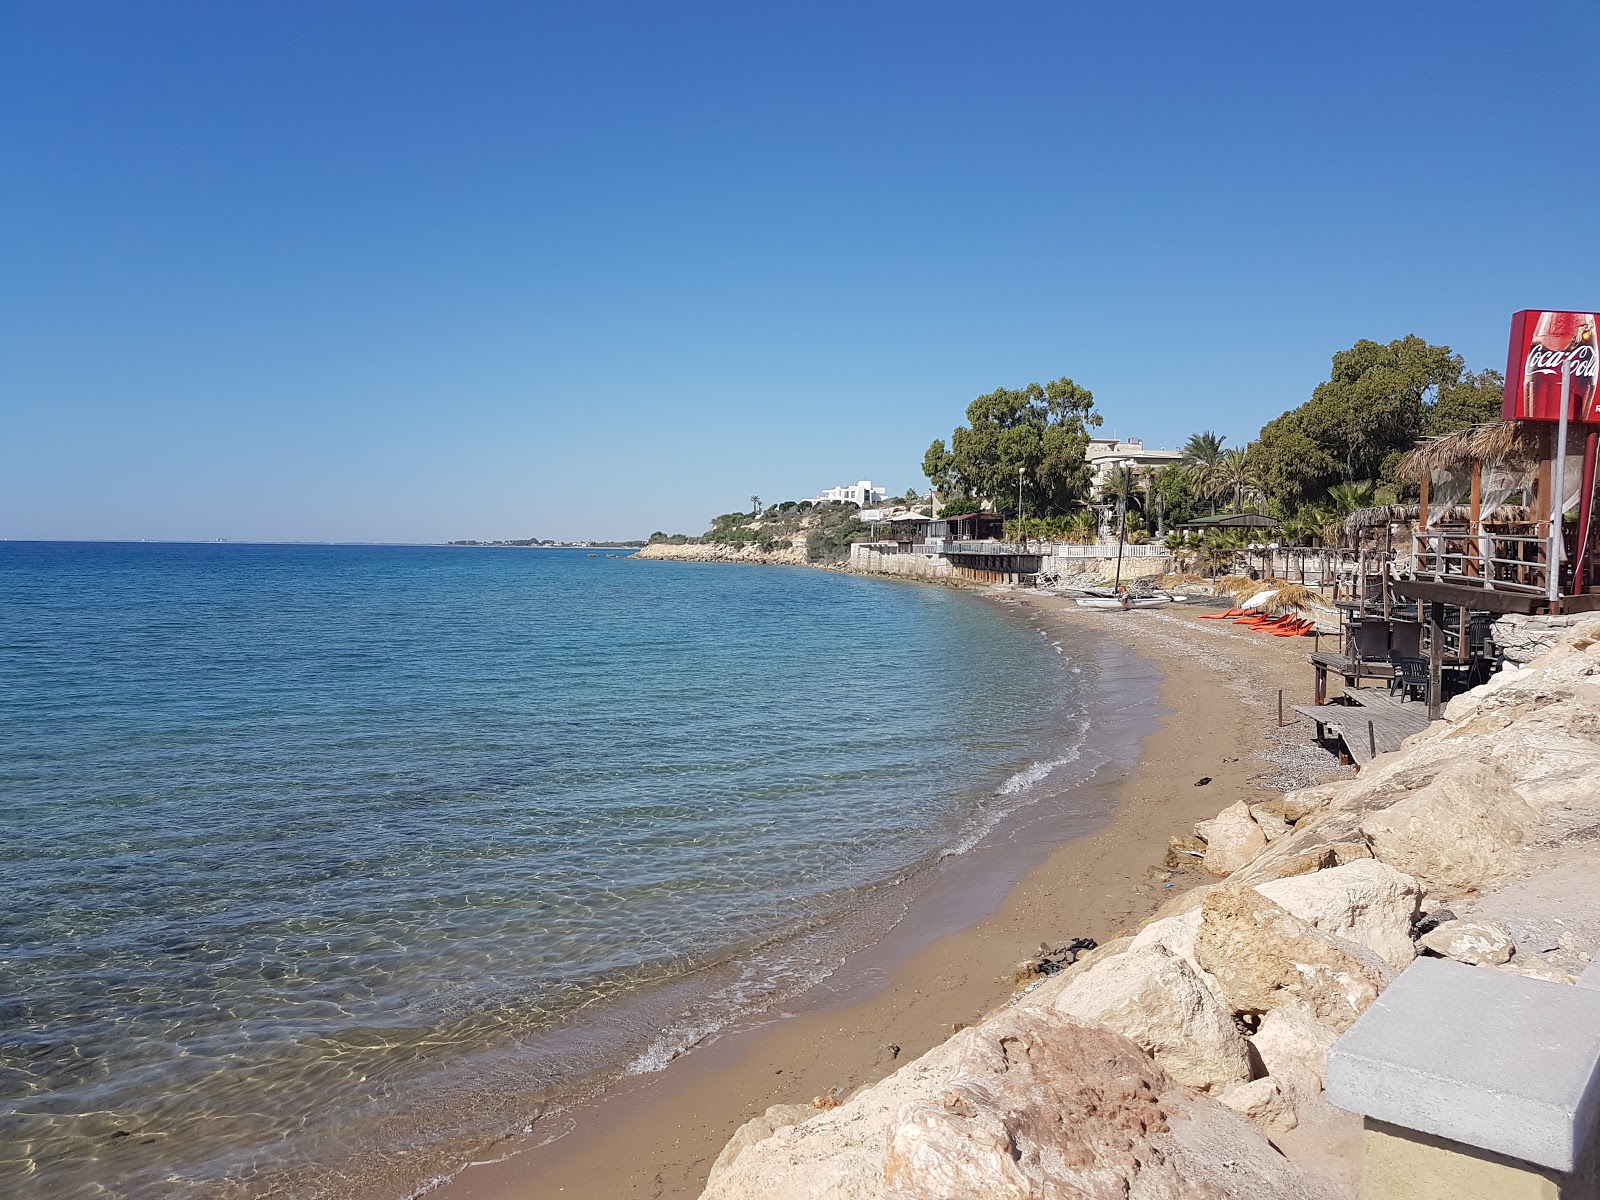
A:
[326,868]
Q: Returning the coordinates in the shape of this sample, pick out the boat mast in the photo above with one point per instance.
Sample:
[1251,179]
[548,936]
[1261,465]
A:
[1122,525]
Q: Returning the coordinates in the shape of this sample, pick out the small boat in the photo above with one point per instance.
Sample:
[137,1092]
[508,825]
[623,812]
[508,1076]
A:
[1123,601]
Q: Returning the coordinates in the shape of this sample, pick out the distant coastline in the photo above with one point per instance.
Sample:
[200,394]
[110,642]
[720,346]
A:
[538,544]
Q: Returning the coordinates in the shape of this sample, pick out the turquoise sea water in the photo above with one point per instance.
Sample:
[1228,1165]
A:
[324,865]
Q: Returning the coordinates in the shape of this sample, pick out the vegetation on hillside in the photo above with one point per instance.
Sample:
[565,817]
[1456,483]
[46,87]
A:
[827,529]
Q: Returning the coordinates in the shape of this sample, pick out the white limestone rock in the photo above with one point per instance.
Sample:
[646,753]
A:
[1365,901]
[1153,997]
[1232,840]
[1263,1102]
[1264,957]
[1030,1104]
[1477,943]
[1458,833]
[1293,1046]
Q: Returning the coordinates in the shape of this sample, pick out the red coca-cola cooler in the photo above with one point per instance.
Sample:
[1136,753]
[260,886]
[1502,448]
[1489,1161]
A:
[1544,347]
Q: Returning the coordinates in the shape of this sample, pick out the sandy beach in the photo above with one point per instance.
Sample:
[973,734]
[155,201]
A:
[656,1136]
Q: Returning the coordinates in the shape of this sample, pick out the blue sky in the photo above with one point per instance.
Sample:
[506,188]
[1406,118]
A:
[417,271]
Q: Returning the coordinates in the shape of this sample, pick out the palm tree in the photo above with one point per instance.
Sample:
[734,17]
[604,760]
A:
[1201,454]
[1235,475]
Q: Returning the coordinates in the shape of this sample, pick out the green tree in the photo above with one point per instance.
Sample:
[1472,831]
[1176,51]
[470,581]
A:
[1378,399]
[1043,429]
[1236,478]
[1175,496]
[1201,453]
[1472,400]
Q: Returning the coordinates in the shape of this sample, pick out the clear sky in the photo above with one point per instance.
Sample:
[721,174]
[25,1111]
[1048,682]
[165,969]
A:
[418,271]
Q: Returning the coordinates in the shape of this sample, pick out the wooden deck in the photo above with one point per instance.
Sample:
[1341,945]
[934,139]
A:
[1375,724]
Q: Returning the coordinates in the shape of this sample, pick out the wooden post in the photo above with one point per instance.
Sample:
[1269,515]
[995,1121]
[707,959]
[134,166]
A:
[1385,589]
[1280,708]
[1322,684]
[1422,516]
[1372,740]
[1361,567]
[1435,659]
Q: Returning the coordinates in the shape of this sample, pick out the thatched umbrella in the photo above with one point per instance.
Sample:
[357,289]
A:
[1513,445]
[1293,597]
[1239,586]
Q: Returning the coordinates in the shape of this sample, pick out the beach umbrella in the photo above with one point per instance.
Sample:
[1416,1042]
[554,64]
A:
[1293,597]
[1259,600]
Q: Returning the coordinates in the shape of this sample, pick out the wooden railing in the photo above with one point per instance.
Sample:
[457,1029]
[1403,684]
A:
[1493,561]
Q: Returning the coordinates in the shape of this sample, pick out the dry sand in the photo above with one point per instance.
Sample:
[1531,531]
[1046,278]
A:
[657,1136]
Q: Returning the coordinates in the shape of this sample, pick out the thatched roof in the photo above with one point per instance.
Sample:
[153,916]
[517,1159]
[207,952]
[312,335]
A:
[1376,518]
[1364,519]
[1513,444]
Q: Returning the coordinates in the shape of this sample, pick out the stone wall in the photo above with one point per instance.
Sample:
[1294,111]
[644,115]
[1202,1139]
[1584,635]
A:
[1097,568]
[1524,638]
[904,566]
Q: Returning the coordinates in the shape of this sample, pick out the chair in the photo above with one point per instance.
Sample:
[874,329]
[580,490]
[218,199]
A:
[1410,675]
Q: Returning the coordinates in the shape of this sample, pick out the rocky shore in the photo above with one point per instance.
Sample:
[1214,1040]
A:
[717,552]
[1187,1057]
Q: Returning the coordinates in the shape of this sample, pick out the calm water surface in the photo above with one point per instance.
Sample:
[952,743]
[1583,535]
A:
[323,865]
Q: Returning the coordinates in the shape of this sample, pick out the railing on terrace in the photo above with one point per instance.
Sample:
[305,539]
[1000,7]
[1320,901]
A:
[1056,549]
[1048,549]
[1493,561]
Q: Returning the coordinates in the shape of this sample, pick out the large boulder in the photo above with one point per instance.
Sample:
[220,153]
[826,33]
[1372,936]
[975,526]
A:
[1264,957]
[1476,943]
[1233,838]
[1153,997]
[1031,1104]
[1293,1047]
[1264,1102]
[756,1129]
[1459,833]
[1366,902]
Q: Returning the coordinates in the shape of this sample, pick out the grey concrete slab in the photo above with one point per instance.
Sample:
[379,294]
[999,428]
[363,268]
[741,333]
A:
[1590,978]
[1490,1059]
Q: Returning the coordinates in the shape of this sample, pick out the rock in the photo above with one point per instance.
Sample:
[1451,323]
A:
[1365,901]
[1028,1105]
[1233,840]
[1305,802]
[1293,1045]
[1264,1103]
[1458,833]
[1271,821]
[1529,971]
[1477,943]
[1330,840]
[1264,957]
[1176,934]
[756,1129]
[1183,852]
[1153,997]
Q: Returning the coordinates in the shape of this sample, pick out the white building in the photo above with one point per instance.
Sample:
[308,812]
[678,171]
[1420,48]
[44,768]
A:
[1105,455]
[860,493]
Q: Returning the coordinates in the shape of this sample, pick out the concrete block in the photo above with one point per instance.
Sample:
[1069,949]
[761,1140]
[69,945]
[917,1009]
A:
[1492,1060]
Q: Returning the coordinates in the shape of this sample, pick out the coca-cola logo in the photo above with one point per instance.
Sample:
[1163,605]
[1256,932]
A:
[1543,361]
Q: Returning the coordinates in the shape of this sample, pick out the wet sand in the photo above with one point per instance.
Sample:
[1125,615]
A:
[656,1136]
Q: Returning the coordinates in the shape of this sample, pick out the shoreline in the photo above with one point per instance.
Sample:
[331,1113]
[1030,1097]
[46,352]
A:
[657,1136]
